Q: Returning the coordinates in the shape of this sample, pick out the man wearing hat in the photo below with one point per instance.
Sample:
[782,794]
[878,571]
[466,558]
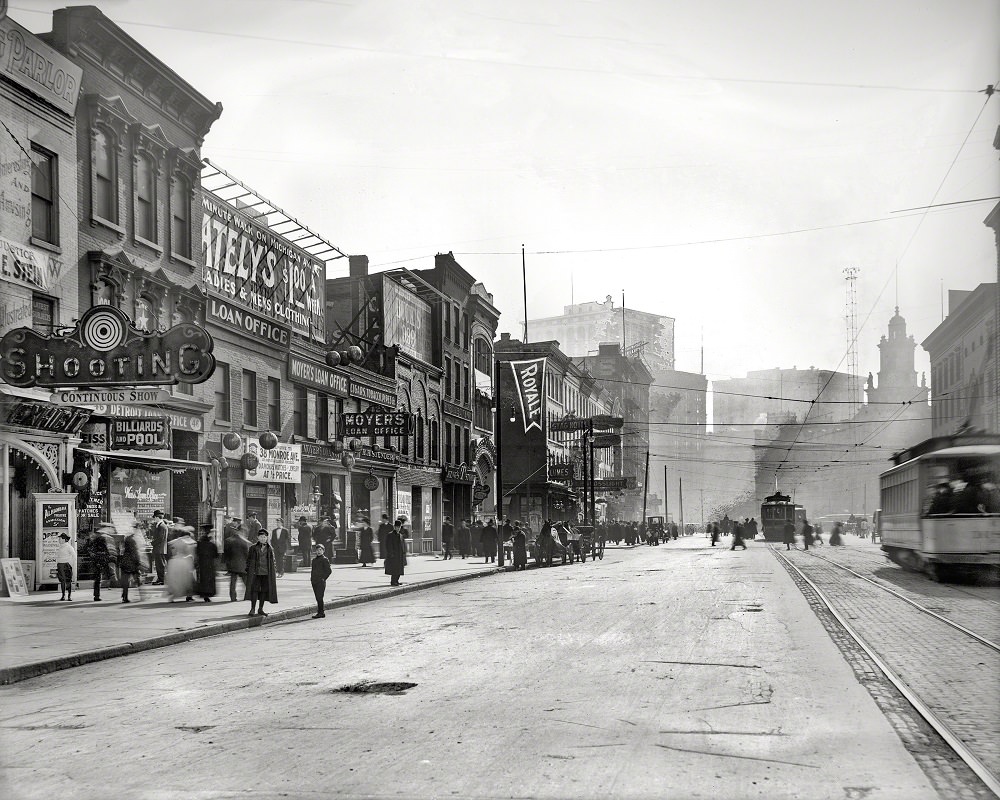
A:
[253,525]
[158,539]
[234,555]
[65,564]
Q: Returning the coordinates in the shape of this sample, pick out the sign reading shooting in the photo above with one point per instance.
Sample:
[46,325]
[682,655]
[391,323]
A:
[376,423]
[248,264]
[106,349]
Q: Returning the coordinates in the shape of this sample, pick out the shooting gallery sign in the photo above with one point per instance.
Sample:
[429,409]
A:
[106,349]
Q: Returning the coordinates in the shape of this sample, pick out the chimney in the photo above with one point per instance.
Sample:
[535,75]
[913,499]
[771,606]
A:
[358,266]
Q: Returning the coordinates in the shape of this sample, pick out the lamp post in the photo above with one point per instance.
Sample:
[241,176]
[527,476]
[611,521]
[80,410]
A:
[498,497]
[590,447]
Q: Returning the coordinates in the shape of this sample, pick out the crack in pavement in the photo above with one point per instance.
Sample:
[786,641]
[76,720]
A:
[704,664]
[734,755]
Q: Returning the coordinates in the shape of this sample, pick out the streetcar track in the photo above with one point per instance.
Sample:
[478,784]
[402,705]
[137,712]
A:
[915,604]
[965,753]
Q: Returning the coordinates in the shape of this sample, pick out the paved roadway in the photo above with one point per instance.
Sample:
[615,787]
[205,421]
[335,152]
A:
[676,671]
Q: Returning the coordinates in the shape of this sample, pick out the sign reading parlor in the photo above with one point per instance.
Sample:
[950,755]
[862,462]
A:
[106,349]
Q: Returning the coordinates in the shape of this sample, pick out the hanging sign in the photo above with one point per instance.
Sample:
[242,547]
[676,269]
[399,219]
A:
[48,417]
[561,472]
[84,397]
[569,424]
[140,434]
[529,378]
[376,423]
[281,464]
[106,349]
[602,441]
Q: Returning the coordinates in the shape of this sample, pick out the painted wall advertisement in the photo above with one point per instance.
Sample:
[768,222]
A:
[249,265]
[283,464]
[407,320]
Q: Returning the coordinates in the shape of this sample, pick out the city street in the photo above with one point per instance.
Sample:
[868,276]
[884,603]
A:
[673,671]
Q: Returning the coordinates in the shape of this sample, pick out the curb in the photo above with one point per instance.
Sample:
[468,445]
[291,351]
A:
[23,672]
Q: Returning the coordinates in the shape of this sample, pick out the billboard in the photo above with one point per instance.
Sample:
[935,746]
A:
[407,320]
[247,264]
[523,424]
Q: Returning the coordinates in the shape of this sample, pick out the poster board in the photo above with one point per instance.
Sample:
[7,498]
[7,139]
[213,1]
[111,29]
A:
[55,514]
[14,585]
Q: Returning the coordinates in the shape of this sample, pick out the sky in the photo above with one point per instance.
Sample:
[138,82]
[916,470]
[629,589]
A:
[721,162]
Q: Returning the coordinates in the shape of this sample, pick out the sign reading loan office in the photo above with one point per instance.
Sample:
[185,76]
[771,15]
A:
[106,349]
[247,264]
[376,423]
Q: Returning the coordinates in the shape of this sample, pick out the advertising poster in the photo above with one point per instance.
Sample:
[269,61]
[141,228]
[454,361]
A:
[14,584]
[407,321]
[55,515]
[283,464]
[257,270]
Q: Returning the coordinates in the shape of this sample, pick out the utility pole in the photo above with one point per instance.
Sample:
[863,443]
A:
[524,288]
[645,488]
[666,504]
[680,500]
[497,422]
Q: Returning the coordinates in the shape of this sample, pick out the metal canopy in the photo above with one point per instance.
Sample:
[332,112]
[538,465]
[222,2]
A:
[233,191]
[415,284]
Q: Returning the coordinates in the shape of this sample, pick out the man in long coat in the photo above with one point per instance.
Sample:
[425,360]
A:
[395,553]
[384,528]
[281,541]
[206,556]
[262,583]
[488,542]
[234,555]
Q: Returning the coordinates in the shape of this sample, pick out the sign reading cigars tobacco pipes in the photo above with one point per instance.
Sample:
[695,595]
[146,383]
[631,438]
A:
[106,349]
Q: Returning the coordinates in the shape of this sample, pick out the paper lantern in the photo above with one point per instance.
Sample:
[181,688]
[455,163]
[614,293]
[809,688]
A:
[338,447]
[355,354]
[347,460]
[231,441]
[355,445]
[268,440]
[250,462]
[332,358]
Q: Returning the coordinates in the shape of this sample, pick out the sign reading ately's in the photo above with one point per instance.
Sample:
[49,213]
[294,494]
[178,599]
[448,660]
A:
[376,423]
[140,434]
[248,264]
[106,349]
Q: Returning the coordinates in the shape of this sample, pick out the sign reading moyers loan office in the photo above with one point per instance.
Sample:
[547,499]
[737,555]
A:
[106,349]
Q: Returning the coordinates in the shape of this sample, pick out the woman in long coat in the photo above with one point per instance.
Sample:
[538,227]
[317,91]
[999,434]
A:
[180,567]
[365,538]
[262,575]
[129,564]
[206,561]
[520,548]
[395,553]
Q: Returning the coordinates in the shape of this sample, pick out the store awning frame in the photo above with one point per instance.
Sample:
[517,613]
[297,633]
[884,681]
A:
[148,461]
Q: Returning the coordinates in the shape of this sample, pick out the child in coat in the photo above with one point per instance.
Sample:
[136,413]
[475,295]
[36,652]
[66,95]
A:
[321,570]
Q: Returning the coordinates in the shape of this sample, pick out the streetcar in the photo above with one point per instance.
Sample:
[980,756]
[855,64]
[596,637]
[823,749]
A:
[940,506]
[775,511]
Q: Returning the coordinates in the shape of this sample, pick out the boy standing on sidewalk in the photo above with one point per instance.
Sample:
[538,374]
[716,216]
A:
[318,574]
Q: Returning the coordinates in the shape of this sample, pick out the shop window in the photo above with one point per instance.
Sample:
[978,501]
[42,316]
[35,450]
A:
[249,398]
[223,396]
[105,177]
[145,199]
[44,196]
[300,411]
[43,313]
[180,217]
[274,404]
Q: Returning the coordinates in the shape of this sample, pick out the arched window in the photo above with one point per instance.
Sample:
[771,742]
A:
[145,198]
[180,217]
[435,444]
[483,357]
[419,448]
[105,176]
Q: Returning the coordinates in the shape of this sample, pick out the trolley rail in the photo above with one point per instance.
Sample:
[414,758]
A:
[944,727]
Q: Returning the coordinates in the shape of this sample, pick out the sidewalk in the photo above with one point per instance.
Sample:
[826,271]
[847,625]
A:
[42,635]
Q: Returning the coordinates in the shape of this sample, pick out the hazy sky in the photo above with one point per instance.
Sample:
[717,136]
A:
[721,162]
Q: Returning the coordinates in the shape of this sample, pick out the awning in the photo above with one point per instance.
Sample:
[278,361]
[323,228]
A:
[148,461]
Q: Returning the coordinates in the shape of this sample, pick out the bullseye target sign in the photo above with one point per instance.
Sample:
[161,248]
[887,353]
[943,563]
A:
[106,349]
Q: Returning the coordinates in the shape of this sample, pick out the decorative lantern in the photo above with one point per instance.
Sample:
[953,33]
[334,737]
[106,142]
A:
[332,358]
[355,445]
[355,354]
[250,462]
[347,460]
[268,440]
[231,441]
[338,447]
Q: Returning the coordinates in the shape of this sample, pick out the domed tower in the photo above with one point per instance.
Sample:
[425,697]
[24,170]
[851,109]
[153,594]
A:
[897,377]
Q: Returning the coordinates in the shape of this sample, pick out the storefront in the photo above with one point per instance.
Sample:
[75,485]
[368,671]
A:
[36,450]
[322,488]
[484,460]
[457,484]
[373,482]
[418,497]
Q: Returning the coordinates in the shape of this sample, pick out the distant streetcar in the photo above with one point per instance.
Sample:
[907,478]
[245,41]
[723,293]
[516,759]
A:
[775,511]
[940,505]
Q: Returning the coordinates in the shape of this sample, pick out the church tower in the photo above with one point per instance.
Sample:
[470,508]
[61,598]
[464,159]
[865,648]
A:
[897,377]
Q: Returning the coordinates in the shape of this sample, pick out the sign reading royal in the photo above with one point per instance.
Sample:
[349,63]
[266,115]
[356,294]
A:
[248,264]
[529,380]
[106,349]
[376,423]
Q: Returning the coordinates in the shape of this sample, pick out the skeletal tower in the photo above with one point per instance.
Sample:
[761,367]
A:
[851,316]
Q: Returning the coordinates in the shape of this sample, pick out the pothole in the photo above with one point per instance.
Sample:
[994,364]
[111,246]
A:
[374,687]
